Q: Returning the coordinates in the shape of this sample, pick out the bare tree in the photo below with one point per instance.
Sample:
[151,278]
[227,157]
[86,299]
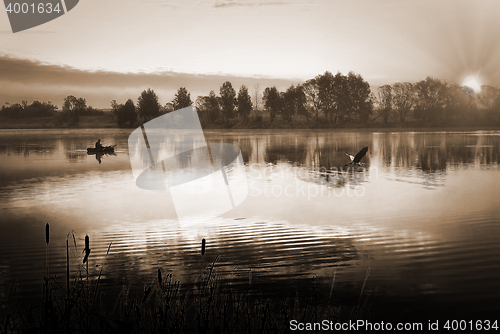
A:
[256,93]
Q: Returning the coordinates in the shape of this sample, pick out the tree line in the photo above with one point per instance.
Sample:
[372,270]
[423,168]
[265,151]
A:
[25,110]
[331,100]
[148,107]
[72,109]
[325,100]
[437,101]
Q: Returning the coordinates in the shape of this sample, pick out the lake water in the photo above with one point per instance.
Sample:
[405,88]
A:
[423,216]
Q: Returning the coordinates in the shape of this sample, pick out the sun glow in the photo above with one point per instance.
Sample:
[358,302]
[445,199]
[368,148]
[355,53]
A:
[472,82]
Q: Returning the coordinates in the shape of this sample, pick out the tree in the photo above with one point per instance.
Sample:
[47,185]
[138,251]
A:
[458,101]
[40,109]
[313,101]
[403,99]
[385,102]
[328,93]
[125,113]
[202,110]
[213,105]
[487,98]
[495,113]
[343,98]
[244,102]
[81,104]
[148,106]
[359,98]
[23,110]
[227,100]
[208,108]
[301,102]
[430,99]
[273,101]
[168,107]
[72,107]
[294,102]
[114,108]
[182,99]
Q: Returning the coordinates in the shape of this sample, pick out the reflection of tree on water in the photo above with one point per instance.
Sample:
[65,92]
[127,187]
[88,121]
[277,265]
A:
[433,153]
[26,148]
[425,158]
[74,157]
[285,149]
[314,152]
[317,160]
[243,142]
[339,177]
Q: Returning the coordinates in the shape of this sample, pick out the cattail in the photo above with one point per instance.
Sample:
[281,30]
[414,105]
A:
[47,234]
[87,249]
[159,276]
[47,237]
[203,246]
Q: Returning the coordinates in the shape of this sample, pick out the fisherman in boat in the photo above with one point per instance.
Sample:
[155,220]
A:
[98,145]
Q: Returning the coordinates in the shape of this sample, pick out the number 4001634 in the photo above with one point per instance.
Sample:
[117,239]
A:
[478,325]
[33,8]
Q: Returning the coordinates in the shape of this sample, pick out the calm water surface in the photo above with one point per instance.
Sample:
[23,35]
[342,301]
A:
[423,215]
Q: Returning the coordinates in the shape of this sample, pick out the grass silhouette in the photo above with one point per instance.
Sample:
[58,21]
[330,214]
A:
[212,305]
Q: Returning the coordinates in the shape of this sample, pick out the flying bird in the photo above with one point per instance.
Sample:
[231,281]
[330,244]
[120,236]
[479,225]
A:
[355,160]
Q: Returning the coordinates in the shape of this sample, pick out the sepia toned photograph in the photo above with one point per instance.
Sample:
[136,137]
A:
[249,166]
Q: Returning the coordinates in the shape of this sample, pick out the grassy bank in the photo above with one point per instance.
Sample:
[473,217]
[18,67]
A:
[108,121]
[86,122]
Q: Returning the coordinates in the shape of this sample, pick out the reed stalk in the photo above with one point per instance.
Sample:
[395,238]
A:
[364,284]
[47,239]
[203,244]
[67,266]
[100,273]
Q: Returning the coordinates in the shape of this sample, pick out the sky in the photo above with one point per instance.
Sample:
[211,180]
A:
[114,49]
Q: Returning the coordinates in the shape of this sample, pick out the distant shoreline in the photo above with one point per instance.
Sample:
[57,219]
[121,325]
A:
[107,122]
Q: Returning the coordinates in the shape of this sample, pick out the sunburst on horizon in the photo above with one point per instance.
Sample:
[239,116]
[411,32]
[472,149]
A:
[473,83]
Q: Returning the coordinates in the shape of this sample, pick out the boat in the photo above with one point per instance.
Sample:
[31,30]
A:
[104,149]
